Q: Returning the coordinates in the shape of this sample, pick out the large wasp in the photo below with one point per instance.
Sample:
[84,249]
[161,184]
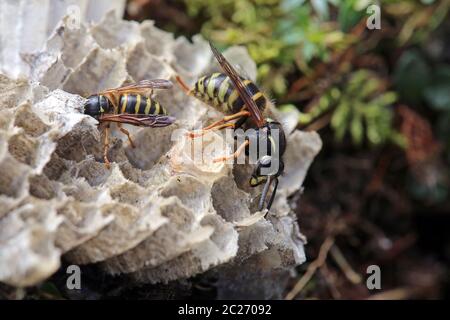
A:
[129,104]
[242,100]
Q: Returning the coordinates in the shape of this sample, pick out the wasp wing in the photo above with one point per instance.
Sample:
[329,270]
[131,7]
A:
[141,120]
[140,86]
[244,93]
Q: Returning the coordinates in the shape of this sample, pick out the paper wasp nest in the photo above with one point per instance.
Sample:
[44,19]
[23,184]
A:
[155,215]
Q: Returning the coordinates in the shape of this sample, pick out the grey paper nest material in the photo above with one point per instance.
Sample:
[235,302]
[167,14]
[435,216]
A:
[156,215]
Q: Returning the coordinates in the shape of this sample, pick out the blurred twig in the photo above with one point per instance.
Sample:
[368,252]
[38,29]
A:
[312,268]
[340,260]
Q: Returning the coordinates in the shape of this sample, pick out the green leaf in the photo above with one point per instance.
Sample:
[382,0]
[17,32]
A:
[348,15]
[411,76]
[356,128]
[340,119]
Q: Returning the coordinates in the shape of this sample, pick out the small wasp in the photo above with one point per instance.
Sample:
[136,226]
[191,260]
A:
[242,100]
[129,104]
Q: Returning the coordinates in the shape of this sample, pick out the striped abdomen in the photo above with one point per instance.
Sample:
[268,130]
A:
[218,91]
[139,104]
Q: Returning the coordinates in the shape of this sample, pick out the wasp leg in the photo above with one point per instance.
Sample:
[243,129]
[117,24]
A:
[127,133]
[106,147]
[240,122]
[234,155]
[240,114]
[199,133]
[219,124]
[183,85]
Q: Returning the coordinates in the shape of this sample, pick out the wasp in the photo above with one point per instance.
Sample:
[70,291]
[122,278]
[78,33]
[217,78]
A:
[128,104]
[241,100]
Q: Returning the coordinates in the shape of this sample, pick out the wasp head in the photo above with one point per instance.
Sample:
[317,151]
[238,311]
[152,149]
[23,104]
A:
[96,105]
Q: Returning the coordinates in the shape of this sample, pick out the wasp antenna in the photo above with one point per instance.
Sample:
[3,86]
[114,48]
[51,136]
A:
[214,49]
[266,191]
[272,196]
[264,194]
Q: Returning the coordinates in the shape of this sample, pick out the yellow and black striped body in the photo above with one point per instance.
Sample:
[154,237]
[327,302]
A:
[139,104]
[218,91]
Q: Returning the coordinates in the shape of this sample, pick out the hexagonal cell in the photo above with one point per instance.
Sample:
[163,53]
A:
[27,237]
[13,178]
[180,234]
[112,33]
[102,69]
[157,42]
[42,187]
[151,145]
[230,202]
[143,65]
[23,148]
[31,124]
[13,92]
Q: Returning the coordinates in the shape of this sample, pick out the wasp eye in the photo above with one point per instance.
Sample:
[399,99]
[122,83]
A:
[265,161]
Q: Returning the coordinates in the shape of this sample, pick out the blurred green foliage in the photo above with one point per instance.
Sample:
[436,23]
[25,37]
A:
[284,36]
[289,39]
[419,82]
[360,108]
[281,35]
